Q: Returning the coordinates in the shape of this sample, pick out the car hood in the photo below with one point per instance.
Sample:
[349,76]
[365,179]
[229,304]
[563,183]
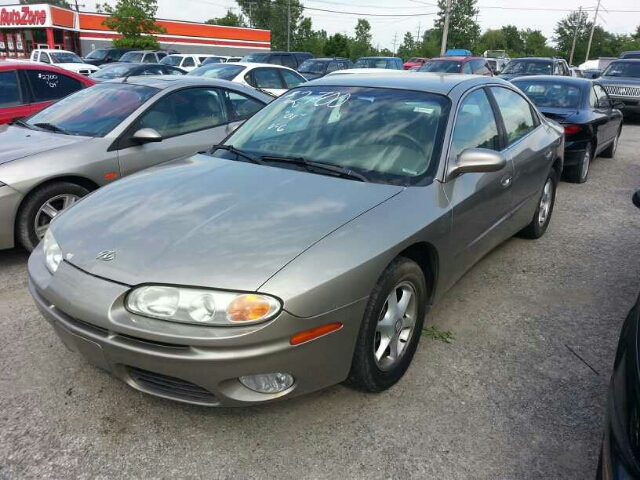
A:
[77,66]
[209,222]
[19,142]
[619,81]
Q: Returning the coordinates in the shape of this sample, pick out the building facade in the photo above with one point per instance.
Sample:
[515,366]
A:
[24,28]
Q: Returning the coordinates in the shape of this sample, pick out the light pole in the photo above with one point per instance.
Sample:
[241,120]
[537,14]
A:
[593,27]
[575,36]
[445,30]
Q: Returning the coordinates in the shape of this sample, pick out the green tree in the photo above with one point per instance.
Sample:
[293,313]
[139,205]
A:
[566,28]
[514,43]
[407,48]
[272,15]
[429,44]
[306,39]
[361,44]
[535,43]
[492,40]
[337,46]
[135,20]
[57,3]
[229,20]
[463,28]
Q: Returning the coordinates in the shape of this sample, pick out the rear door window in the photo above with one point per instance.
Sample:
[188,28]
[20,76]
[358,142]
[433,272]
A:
[289,61]
[44,57]
[188,62]
[149,58]
[267,78]
[241,107]
[47,86]
[291,79]
[467,68]
[516,113]
[9,89]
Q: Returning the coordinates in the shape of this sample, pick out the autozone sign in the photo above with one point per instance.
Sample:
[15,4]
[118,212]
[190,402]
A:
[23,15]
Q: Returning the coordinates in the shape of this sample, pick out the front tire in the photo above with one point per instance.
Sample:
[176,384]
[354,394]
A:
[391,327]
[41,206]
[542,215]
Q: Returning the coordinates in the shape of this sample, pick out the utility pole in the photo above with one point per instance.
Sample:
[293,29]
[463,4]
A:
[593,27]
[575,36]
[445,30]
[289,26]
[418,35]
[395,40]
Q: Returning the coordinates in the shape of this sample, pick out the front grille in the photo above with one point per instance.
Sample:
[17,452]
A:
[622,91]
[171,387]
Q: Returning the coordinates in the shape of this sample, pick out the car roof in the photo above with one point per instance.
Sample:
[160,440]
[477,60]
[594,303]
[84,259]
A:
[632,60]
[576,81]
[459,58]
[385,58]
[420,81]
[546,59]
[53,50]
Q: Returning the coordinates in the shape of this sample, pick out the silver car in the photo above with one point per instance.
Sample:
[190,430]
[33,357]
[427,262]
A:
[103,133]
[307,249]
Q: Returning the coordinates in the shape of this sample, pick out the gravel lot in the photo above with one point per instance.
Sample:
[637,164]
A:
[506,399]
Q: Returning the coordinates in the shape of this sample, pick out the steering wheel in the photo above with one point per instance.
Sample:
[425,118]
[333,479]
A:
[404,138]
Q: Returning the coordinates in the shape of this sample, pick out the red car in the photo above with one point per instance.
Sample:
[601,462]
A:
[470,65]
[414,62]
[26,87]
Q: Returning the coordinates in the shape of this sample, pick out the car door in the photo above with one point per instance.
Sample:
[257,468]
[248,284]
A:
[266,78]
[481,202]
[527,148]
[190,120]
[14,103]
[610,118]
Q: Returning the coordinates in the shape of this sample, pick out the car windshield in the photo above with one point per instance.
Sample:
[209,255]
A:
[622,69]
[98,54]
[255,57]
[132,57]
[387,135]
[529,67]
[313,66]
[223,71]
[371,63]
[65,57]
[93,111]
[173,60]
[442,66]
[550,94]
[113,71]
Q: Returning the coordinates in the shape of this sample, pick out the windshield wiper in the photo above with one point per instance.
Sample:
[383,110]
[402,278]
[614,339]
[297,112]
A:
[52,128]
[239,153]
[311,165]
[267,92]
[22,123]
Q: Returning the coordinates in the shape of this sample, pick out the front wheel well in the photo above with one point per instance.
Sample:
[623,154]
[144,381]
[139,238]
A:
[426,256]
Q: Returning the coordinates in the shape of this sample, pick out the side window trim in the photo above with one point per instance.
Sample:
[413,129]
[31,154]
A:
[283,84]
[25,88]
[504,143]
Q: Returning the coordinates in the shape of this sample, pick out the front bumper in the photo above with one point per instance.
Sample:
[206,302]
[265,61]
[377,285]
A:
[9,202]
[188,363]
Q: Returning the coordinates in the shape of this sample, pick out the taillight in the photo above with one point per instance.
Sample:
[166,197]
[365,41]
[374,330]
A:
[572,129]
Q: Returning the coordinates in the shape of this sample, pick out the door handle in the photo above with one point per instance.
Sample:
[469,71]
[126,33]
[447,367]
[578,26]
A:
[506,181]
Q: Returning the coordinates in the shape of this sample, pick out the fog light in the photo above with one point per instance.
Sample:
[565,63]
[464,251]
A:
[268,382]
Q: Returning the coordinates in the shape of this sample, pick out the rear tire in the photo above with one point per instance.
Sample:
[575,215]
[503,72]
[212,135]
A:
[542,215]
[40,207]
[580,173]
[610,152]
[376,364]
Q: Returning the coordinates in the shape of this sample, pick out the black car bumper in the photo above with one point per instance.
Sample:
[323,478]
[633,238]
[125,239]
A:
[620,458]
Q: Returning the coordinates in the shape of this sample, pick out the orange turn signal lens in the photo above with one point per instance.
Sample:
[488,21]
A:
[251,308]
[110,175]
[308,335]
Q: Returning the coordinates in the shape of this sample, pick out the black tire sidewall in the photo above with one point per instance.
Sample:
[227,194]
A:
[372,377]
[541,229]
[25,232]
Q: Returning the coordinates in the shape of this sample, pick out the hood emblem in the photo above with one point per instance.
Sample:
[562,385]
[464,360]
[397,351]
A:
[106,255]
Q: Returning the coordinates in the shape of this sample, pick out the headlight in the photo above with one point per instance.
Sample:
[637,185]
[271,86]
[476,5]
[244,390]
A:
[52,252]
[202,307]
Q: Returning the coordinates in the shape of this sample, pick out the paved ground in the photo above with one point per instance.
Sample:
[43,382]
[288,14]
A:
[507,399]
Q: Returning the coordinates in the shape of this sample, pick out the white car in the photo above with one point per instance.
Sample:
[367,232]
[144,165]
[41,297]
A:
[188,61]
[63,59]
[369,71]
[274,79]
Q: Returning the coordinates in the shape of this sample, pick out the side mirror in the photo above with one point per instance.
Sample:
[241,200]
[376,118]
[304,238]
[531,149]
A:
[146,135]
[618,104]
[478,160]
[596,75]
[636,198]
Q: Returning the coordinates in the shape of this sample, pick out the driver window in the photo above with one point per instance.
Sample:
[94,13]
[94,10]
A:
[475,125]
[467,68]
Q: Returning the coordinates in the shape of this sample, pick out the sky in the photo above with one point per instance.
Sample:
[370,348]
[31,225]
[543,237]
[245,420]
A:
[418,14]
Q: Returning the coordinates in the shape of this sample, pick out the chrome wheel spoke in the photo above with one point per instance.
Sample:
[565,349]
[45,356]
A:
[49,210]
[393,348]
[41,230]
[382,348]
[403,303]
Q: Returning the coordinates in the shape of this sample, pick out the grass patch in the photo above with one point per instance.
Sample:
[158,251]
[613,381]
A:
[435,333]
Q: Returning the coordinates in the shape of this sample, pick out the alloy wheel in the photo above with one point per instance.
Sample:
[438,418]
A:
[584,167]
[396,326]
[545,202]
[49,210]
